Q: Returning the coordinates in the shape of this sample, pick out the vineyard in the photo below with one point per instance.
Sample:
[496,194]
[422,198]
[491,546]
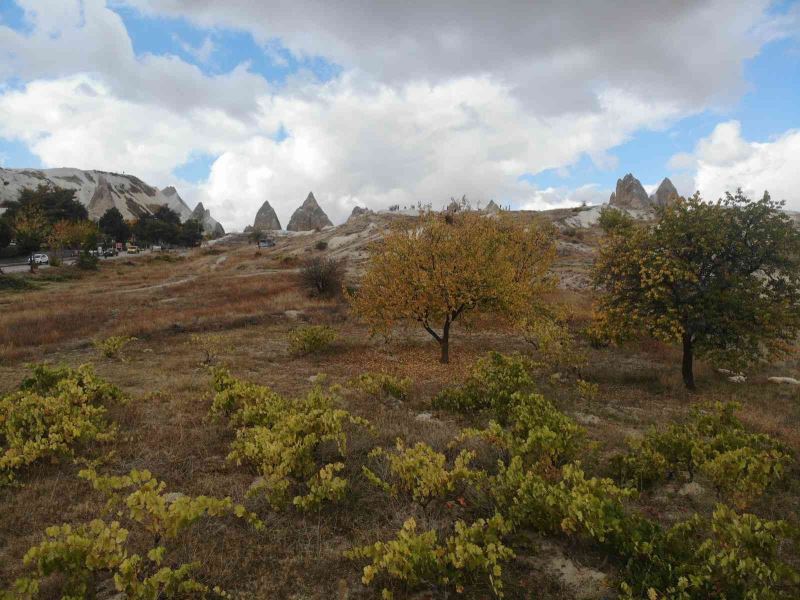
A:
[214,431]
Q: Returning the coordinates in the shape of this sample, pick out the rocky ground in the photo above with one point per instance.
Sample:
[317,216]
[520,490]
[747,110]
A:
[251,299]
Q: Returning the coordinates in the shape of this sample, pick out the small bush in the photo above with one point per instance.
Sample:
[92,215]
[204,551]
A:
[56,412]
[321,245]
[12,283]
[322,276]
[382,385]
[87,262]
[493,381]
[311,339]
[420,472]
[419,559]
[111,347]
[741,465]
[280,437]
[83,555]
[210,345]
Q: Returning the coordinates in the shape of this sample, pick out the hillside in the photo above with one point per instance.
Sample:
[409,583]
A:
[99,191]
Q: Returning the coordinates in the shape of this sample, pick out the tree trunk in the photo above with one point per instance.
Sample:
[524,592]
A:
[688,358]
[444,343]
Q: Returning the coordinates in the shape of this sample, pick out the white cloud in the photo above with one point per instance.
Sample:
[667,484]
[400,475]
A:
[725,161]
[435,100]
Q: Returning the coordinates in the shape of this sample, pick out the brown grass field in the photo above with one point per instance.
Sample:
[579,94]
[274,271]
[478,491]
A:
[244,295]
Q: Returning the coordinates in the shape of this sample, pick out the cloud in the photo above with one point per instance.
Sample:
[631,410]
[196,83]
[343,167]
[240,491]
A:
[201,53]
[434,100]
[555,55]
[725,161]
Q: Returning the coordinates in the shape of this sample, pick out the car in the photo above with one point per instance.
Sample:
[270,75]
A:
[133,250]
[109,252]
[39,259]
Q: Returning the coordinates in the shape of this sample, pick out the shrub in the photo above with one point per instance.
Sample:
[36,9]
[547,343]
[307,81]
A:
[538,432]
[420,472]
[87,262]
[56,412]
[210,345]
[732,556]
[490,386]
[322,276]
[382,385]
[419,559]
[311,339]
[280,439]
[112,346]
[13,283]
[741,465]
[321,245]
[81,554]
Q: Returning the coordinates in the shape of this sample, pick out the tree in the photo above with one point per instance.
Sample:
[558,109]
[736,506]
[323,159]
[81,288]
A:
[191,233]
[55,203]
[114,226]
[6,232]
[723,279]
[30,227]
[438,268]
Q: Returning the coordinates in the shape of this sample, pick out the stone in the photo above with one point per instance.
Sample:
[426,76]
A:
[266,219]
[787,380]
[585,583]
[692,489]
[737,378]
[586,419]
[173,497]
[359,211]
[630,194]
[292,315]
[309,216]
[424,416]
[665,194]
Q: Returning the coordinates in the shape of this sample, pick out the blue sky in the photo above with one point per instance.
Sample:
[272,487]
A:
[238,102]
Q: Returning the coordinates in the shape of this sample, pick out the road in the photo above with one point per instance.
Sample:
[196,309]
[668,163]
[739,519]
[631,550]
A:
[22,266]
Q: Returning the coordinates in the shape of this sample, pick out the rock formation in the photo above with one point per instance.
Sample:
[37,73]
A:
[665,193]
[97,190]
[492,208]
[266,219]
[630,194]
[358,211]
[309,216]
[210,226]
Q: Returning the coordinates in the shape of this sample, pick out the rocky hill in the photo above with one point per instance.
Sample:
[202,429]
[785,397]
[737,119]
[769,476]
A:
[266,219]
[309,216]
[210,226]
[98,191]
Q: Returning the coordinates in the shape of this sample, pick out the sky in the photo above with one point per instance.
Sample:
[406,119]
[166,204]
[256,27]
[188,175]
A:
[534,105]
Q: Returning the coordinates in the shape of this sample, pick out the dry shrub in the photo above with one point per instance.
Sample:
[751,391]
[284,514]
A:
[323,276]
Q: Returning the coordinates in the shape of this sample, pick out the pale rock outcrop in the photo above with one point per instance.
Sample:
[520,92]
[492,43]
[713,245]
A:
[309,216]
[665,194]
[492,208]
[210,226]
[266,219]
[630,194]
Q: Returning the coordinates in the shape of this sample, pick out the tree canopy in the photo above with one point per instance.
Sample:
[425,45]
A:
[114,226]
[436,269]
[721,278]
[55,203]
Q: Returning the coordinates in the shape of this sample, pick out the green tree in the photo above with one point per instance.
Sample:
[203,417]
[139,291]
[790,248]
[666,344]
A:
[6,232]
[191,233]
[55,203]
[722,278]
[113,224]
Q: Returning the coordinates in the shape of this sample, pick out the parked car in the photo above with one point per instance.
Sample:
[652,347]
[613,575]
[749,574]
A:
[39,259]
[133,250]
[267,243]
[156,249]
[110,252]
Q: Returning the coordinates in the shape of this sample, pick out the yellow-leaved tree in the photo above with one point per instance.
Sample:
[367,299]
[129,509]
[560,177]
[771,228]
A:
[434,269]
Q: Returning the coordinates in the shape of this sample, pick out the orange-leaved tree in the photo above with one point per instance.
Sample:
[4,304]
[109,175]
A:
[435,269]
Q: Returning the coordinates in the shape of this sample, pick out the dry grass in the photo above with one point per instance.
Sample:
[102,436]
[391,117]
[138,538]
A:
[245,298]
